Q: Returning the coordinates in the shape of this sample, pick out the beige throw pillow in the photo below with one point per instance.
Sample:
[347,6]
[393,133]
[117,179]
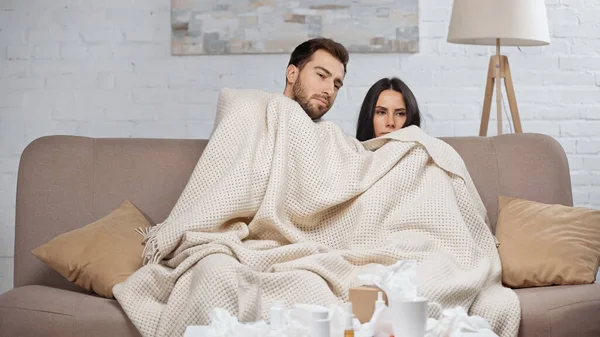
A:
[101,254]
[543,245]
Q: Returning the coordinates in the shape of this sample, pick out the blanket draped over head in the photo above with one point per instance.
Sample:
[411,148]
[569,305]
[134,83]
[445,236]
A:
[293,209]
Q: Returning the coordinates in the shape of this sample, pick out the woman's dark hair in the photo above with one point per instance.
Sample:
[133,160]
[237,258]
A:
[364,128]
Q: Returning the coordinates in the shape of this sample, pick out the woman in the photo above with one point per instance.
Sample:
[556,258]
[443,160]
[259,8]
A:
[388,106]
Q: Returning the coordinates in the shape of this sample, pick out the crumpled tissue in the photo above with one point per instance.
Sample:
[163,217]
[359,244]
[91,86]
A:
[456,322]
[453,323]
[223,324]
[299,319]
[399,281]
[338,315]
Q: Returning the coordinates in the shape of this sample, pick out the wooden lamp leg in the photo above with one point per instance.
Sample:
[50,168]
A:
[487,98]
[499,69]
[512,100]
[499,74]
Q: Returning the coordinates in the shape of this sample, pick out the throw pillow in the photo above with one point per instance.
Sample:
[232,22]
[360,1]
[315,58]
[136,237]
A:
[101,254]
[543,244]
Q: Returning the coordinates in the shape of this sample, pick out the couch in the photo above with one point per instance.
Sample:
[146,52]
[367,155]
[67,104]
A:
[66,182]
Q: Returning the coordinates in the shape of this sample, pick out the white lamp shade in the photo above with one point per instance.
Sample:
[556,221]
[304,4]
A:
[514,22]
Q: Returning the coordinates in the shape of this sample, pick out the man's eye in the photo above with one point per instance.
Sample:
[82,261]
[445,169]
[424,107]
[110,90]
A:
[321,75]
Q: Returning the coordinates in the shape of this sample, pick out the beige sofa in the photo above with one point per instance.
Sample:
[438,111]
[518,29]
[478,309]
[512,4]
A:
[66,182]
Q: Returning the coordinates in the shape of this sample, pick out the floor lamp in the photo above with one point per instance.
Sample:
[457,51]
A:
[496,23]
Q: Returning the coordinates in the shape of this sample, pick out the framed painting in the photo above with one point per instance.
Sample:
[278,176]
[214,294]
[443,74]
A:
[215,27]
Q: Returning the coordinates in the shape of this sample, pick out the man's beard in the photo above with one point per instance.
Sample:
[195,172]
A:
[301,96]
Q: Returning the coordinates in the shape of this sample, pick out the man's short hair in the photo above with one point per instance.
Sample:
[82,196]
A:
[304,51]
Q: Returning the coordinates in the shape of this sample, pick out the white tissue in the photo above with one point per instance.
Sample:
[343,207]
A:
[456,322]
[380,324]
[453,323]
[223,324]
[337,320]
[297,323]
[399,281]
[300,318]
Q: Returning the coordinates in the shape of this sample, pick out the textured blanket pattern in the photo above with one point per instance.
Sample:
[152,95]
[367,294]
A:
[300,206]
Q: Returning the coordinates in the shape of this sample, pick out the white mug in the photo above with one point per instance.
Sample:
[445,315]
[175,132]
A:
[409,317]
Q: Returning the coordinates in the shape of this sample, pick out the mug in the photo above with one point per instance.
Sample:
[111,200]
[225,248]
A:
[409,316]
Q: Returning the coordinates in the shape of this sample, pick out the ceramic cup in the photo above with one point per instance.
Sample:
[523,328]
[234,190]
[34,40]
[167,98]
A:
[409,317]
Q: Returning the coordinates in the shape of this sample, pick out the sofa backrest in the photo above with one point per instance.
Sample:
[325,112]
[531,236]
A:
[66,182]
[528,166]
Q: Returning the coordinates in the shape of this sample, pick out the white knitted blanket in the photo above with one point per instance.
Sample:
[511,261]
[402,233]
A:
[301,207]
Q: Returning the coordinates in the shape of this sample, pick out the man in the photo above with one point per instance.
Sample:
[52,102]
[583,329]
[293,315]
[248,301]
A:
[315,74]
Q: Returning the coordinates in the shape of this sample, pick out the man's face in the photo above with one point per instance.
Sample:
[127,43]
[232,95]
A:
[316,85]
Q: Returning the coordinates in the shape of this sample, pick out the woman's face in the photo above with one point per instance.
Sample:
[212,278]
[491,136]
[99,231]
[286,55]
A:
[390,112]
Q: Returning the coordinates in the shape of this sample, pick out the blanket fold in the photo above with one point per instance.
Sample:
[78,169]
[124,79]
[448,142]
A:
[299,207]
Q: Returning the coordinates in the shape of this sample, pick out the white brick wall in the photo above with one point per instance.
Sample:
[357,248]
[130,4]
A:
[103,69]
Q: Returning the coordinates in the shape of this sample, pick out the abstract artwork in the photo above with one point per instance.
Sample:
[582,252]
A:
[214,27]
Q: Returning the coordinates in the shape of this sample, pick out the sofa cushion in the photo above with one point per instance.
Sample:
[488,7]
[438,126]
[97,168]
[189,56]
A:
[543,244]
[560,311]
[44,311]
[101,254]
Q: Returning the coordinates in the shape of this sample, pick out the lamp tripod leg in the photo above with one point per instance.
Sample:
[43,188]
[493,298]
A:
[487,99]
[498,68]
[510,93]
